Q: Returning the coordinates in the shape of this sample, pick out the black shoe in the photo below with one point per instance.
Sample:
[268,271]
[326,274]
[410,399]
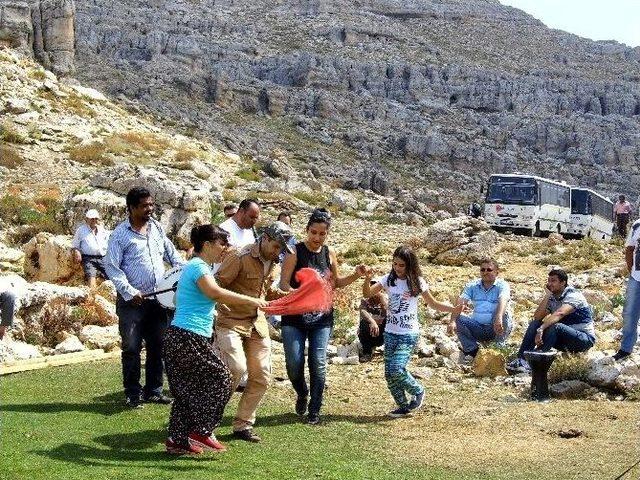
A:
[158,398]
[621,355]
[133,402]
[313,419]
[247,435]
[301,406]
[366,357]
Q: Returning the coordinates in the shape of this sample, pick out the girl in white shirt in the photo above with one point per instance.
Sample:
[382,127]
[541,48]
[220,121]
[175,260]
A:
[404,285]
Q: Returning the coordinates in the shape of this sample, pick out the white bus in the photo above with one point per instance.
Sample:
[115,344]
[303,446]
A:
[591,214]
[527,204]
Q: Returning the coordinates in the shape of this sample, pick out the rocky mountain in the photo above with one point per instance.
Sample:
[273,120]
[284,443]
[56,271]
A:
[428,96]
[425,96]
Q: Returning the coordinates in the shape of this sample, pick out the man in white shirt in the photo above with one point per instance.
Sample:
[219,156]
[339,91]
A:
[90,246]
[631,310]
[240,225]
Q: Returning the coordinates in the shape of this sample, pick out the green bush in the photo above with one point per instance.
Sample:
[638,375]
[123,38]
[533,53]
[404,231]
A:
[39,215]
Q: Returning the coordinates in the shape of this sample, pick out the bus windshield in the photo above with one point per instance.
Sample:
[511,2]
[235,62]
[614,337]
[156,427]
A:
[580,202]
[518,191]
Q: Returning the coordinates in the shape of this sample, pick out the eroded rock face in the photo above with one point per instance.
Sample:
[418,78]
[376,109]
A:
[44,28]
[400,84]
[182,200]
[54,35]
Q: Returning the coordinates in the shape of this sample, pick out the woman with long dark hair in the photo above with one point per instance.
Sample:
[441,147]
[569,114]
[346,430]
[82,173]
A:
[404,285]
[315,327]
[199,381]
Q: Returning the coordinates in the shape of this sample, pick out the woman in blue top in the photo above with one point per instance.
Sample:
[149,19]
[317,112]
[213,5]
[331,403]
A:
[199,382]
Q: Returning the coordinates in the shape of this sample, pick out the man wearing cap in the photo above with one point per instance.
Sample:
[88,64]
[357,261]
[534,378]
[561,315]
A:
[242,333]
[90,246]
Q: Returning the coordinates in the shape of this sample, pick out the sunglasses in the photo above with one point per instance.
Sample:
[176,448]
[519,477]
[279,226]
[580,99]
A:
[486,269]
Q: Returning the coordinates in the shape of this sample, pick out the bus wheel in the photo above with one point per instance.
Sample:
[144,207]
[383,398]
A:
[536,231]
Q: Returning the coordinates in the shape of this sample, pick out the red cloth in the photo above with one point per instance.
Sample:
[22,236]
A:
[314,295]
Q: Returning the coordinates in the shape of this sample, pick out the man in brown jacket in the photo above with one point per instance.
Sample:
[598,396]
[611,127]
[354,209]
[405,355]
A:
[242,332]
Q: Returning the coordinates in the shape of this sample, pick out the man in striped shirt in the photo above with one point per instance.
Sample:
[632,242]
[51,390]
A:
[138,248]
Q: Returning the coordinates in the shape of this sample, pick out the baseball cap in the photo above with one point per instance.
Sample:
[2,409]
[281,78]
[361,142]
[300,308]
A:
[281,232]
[92,213]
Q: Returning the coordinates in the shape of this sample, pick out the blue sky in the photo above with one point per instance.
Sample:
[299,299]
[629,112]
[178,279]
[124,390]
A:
[596,19]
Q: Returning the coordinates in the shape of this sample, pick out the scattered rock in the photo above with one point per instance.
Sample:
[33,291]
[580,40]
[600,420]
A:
[106,338]
[570,389]
[489,363]
[70,345]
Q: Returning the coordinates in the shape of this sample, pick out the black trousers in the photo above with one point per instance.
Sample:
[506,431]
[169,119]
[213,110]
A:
[367,341]
[146,322]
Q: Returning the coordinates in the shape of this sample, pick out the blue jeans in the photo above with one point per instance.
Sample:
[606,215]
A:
[630,315]
[470,332]
[293,340]
[397,353]
[146,322]
[559,336]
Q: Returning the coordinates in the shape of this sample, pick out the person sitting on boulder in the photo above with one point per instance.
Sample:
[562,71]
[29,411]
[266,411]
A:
[491,318]
[373,318]
[563,320]
[8,304]
[89,247]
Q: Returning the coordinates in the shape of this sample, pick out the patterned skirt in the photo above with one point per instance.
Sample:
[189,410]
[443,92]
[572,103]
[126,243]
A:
[199,382]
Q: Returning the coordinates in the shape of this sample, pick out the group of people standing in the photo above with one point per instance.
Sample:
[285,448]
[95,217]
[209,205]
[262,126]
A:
[219,332]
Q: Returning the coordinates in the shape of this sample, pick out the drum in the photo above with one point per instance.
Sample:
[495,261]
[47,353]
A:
[166,291]
[540,363]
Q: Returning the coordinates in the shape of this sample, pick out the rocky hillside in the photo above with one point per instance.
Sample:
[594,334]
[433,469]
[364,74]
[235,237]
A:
[427,96]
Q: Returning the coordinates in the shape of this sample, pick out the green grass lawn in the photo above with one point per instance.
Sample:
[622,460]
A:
[70,423]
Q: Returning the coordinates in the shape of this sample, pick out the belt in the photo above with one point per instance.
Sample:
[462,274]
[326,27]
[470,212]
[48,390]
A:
[92,256]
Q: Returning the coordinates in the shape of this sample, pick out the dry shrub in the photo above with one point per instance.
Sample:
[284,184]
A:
[569,367]
[131,142]
[186,154]
[10,157]
[57,318]
[9,133]
[90,313]
[78,105]
[93,153]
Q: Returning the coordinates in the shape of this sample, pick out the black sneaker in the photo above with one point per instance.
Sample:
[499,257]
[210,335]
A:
[247,435]
[417,401]
[621,355]
[158,398]
[301,406]
[400,412]
[313,419]
[134,402]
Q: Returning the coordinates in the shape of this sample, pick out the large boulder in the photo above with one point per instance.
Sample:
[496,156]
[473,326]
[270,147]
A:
[603,372]
[106,338]
[182,199]
[48,259]
[112,208]
[489,363]
[11,259]
[69,345]
[458,240]
[16,29]
[11,351]
[570,389]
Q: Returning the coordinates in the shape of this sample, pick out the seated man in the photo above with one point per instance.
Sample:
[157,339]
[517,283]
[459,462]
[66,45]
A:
[563,320]
[490,319]
[373,317]
[8,306]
